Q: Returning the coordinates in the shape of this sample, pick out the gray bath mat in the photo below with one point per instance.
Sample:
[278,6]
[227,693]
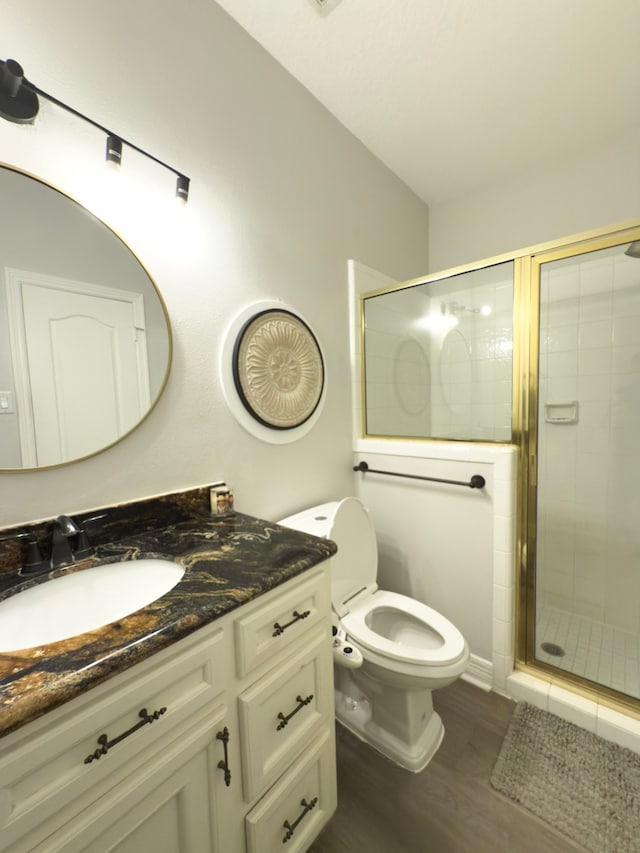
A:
[585,786]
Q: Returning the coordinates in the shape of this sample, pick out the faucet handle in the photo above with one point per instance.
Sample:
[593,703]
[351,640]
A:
[34,561]
[83,544]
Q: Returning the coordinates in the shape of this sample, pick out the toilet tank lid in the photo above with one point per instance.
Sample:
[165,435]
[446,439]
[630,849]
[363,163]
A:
[316,520]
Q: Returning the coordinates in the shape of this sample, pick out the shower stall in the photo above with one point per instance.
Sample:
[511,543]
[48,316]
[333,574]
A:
[583,609]
[540,349]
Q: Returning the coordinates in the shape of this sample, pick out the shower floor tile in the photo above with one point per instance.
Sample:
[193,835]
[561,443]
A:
[593,650]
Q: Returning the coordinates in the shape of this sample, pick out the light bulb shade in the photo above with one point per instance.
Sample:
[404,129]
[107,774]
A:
[114,150]
[182,188]
[17,103]
[633,249]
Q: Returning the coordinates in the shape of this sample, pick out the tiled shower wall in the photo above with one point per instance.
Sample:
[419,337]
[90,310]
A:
[472,385]
[589,472]
[427,377]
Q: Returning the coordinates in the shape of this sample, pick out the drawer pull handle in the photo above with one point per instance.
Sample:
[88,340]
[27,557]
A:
[285,719]
[279,629]
[223,764]
[106,744]
[291,827]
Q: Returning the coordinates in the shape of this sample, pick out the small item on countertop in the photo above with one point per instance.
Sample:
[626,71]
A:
[221,500]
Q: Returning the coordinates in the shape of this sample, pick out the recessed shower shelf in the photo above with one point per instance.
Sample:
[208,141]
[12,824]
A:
[561,413]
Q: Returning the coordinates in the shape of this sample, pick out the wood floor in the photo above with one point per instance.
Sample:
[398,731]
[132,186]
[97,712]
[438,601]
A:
[448,808]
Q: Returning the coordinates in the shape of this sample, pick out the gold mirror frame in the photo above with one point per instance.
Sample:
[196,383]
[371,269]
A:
[125,258]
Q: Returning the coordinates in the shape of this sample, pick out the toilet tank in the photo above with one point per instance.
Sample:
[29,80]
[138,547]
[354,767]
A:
[354,567]
[316,520]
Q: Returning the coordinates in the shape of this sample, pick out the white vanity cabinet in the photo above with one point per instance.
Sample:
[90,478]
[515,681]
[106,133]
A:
[284,671]
[222,742]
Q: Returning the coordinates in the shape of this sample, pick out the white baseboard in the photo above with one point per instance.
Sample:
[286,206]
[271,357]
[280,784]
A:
[479,672]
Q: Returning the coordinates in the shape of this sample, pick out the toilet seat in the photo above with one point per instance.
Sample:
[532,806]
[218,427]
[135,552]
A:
[356,599]
[450,645]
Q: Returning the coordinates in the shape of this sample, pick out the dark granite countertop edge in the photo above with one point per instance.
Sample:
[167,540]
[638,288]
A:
[229,562]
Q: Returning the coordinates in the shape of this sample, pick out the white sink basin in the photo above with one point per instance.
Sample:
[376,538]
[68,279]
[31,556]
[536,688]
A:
[81,601]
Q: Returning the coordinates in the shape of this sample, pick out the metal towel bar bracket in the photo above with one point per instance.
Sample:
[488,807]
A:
[477,481]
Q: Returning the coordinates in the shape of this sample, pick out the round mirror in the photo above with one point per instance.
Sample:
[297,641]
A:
[411,377]
[85,340]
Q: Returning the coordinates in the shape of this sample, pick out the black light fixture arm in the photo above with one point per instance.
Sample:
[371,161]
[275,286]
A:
[19,103]
[41,93]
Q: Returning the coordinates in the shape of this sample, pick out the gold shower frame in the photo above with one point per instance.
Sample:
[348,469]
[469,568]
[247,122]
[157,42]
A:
[524,432]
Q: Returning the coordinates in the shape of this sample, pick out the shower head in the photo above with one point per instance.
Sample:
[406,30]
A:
[633,249]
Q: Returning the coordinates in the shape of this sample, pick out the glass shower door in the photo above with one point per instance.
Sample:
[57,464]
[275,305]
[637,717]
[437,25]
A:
[587,538]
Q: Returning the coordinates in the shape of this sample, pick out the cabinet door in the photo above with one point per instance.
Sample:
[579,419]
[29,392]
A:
[46,779]
[171,818]
[169,805]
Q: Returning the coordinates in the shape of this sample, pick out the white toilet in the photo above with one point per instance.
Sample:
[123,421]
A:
[407,648]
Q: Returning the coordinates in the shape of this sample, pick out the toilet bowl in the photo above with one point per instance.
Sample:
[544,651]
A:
[408,649]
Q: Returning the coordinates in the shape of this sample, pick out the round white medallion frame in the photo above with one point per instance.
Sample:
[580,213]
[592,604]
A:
[231,395]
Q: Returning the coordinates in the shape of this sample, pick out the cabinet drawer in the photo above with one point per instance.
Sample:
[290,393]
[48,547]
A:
[298,806]
[53,768]
[271,629]
[279,713]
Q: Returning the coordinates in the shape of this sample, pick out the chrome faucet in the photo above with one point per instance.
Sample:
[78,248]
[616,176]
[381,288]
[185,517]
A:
[62,552]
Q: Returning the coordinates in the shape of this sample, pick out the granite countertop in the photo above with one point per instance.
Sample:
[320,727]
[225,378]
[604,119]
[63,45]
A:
[229,561]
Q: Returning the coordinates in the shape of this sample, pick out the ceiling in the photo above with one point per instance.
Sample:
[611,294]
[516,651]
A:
[456,95]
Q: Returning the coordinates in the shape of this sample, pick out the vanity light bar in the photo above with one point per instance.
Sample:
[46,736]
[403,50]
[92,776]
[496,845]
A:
[19,104]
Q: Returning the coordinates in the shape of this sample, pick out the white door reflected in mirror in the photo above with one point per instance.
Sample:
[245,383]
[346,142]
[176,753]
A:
[80,358]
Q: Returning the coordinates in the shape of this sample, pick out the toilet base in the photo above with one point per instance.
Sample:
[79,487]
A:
[355,715]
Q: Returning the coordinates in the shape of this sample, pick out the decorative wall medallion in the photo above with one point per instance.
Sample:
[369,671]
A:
[278,369]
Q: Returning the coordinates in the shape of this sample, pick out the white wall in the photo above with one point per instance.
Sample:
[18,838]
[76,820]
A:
[592,189]
[448,546]
[281,197]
